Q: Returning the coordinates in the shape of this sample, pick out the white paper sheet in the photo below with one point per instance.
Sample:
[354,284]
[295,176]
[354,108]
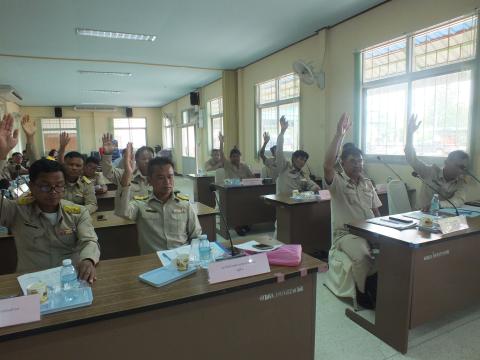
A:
[166,256]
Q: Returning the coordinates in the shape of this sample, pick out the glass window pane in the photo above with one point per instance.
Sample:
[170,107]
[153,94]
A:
[292,136]
[269,123]
[184,141]
[138,137]
[445,44]
[216,106]
[51,140]
[385,60]
[266,92]
[191,141]
[137,122]
[50,124]
[123,137]
[185,117]
[442,103]
[217,126]
[288,87]
[385,119]
[120,123]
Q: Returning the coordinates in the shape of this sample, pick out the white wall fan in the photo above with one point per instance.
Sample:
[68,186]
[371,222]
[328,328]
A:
[307,74]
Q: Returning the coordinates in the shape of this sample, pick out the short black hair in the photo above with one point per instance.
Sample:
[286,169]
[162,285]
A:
[52,152]
[273,148]
[350,150]
[74,155]
[214,150]
[92,159]
[16,153]
[348,145]
[300,154]
[454,155]
[44,166]
[142,149]
[159,161]
[235,151]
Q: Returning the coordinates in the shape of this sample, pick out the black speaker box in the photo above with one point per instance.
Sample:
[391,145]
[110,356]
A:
[194,98]
[58,112]
[129,112]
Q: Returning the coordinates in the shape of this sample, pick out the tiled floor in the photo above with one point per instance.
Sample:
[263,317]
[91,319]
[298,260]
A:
[337,337]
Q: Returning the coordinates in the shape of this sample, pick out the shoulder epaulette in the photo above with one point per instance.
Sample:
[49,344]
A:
[140,197]
[86,180]
[72,209]
[25,200]
[182,197]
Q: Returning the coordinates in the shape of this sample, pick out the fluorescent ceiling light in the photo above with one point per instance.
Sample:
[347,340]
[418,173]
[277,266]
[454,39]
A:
[114,35]
[105,91]
[112,73]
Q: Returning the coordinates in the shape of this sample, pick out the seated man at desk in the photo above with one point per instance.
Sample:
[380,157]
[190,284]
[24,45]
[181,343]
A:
[291,177]
[140,188]
[164,220]
[449,180]
[15,167]
[234,168]
[353,198]
[215,162]
[97,179]
[271,169]
[47,229]
[78,188]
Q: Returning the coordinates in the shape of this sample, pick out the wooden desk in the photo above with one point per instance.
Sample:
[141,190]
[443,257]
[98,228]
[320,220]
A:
[207,217]
[256,317]
[201,189]
[106,202]
[305,222]
[242,205]
[421,277]
[382,195]
[8,254]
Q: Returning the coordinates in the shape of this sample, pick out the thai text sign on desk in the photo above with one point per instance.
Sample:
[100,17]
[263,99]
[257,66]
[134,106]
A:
[237,268]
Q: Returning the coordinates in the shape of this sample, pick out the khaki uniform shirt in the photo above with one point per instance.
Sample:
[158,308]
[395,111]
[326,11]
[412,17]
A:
[160,225]
[232,172]
[140,187]
[210,165]
[271,167]
[453,190]
[289,178]
[350,202]
[12,168]
[41,245]
[82,193]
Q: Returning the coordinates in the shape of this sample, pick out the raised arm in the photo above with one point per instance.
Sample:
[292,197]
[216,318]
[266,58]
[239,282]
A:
[221,138]
[261,153]
[64,140]
[123,206]
[332,151]
[111,173]
[279,155]
[30,128]
[128,166]
[90,199]
[419,166]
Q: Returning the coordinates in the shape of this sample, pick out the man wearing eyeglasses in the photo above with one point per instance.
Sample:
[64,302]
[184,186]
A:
[449,180]
[47,229]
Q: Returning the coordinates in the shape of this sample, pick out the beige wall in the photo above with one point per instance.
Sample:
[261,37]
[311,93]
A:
[93,125]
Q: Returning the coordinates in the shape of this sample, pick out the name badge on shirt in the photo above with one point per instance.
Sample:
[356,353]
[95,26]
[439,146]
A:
[67,231]
[178,211]
[150,210]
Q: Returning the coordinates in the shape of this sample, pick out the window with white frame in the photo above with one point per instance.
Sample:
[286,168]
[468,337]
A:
[275,98]
[188,132]
[215,110]
[51,129]
[132,130]
[429,73]
[168,133]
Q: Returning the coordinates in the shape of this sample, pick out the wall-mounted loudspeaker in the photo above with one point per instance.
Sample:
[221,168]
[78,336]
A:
[58,112]
[129,112]
[194,98]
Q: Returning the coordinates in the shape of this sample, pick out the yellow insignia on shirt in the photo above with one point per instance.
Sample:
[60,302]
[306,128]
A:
[86,180]
[72,209]
[140,197]
[25,199]
[183,197]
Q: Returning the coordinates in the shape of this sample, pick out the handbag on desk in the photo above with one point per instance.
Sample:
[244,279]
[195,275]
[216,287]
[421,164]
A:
[286,255]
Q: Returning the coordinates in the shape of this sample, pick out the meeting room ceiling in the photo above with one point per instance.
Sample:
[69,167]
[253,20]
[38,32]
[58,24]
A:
[42,56]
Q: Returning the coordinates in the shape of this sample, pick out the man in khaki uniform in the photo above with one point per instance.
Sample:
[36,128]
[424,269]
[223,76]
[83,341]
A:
[291,177]
[46,228]
[15,167]
[97,179]
[164,221]
[140,188]
[271,168]
[234,169]
[449,180]
[353,198]
[215,162]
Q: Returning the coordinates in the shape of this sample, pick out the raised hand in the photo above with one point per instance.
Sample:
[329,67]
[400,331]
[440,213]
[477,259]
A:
[266,137]
[8,136]
[283,124]
[412,125]
[64,139]
[128,158]
[344,124]
[221,138]
[29,126]
[107,140]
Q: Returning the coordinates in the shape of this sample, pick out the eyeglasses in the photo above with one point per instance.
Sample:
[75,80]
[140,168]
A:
[47,188]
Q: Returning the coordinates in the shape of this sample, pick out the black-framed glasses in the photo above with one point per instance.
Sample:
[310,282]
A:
[47,188]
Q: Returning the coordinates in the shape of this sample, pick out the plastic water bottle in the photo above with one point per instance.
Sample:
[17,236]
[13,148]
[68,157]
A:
[204,251]
[435,205]
[68,279]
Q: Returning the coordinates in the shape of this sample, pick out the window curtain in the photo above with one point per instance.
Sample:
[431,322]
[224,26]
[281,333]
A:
[230,109]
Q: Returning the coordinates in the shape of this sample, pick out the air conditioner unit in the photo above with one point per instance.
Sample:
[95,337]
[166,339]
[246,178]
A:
[97,108]
[8,93]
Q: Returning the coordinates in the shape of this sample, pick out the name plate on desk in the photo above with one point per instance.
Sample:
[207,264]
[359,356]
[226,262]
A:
[19,310]
[452,224]
[237,268]
[324,195]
